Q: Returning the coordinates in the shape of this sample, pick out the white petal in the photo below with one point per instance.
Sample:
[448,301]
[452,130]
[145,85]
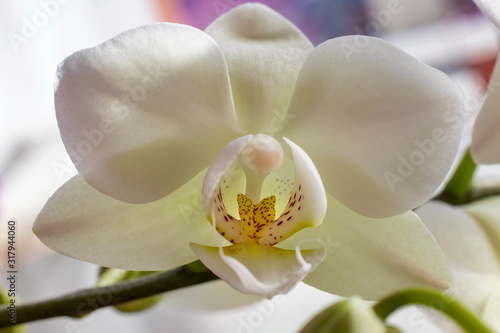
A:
[307,202]
[485,146]
[491,311]
[280,183]
[267,271]
[487,213]
[465,244]
[84,224]
[381,127]
[373,257]
[474,290]
[264,53]
[469,248]
[143,113]
[220,167]
[215,307]
[490,8]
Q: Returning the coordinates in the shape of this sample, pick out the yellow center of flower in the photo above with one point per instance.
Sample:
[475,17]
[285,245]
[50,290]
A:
[256,217]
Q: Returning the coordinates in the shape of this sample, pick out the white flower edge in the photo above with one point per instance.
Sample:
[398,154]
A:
[264,53]
[219,167]
[485,147]
[468,237]
[371,257]
[362,110]
[268,271]
[84,224]
[127,115]
[461,238]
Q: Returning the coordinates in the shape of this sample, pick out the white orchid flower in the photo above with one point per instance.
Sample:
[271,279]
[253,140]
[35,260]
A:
[144,114]
[485,147]
[469,236]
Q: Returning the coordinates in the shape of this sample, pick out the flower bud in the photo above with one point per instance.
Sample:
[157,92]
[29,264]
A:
[111,276]
[352,315]
[138,305]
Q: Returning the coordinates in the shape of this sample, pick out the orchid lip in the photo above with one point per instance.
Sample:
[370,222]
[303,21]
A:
[257,220]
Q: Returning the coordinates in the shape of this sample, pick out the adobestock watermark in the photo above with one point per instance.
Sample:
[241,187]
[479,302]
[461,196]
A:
[409,164]
[64,170]
[30,26]
[380,19]
[256,318]
[120,111]
[191,207]
[222,6]
[263,310]
[328,244]
[85,309]
[280,118]
[421,318]
[424,149]
[481,89]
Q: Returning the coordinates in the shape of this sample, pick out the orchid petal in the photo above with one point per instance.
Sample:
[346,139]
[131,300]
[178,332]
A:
[474,289]
[466,246]
[219,168]
[491,309]
[227,223]
[373,257]
[382,128]
[487,213]
[470,252]
[490,8]
[266,270]
[223,181]
[307,202]
[485,147]
[84,224]
[479,292]
[144,112]
[264,53]
[280,183]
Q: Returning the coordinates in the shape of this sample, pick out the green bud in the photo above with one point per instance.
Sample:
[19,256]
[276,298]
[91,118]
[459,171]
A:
[197,267]
[110,276]
[14,329]
[139,305]
[352,315]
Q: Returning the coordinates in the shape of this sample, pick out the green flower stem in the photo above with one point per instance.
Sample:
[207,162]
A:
[80,303]
[457,189]
[434,299]
[474,194]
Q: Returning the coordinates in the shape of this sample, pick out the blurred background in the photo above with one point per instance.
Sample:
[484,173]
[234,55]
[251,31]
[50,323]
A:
[36,35]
